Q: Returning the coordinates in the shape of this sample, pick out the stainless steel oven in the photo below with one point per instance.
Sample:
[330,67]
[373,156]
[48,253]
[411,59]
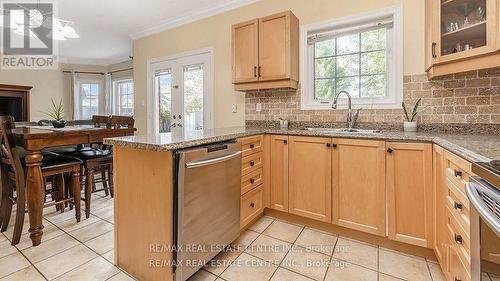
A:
[484,195]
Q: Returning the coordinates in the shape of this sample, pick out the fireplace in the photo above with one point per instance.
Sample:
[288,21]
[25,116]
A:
[14,100]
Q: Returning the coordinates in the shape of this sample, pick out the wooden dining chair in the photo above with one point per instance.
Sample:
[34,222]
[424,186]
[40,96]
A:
[14,184]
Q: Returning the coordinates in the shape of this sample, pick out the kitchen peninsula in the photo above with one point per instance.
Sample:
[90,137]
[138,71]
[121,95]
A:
[401,164]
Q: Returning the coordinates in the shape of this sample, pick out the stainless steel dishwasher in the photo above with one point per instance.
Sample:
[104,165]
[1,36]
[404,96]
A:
[207,209]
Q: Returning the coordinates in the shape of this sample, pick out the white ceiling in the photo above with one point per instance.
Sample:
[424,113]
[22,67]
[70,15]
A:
[106,27]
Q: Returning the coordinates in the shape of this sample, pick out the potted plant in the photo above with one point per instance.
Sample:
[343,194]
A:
[410,125]
[56,113]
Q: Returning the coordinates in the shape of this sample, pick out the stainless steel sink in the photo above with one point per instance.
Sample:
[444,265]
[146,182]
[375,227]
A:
[346,130]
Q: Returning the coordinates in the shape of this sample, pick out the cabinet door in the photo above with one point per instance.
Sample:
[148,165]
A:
[359,185]
[245,51]
[464,29]
[439,205]
[274,47]
[279,173]
[409,193]
[310,177]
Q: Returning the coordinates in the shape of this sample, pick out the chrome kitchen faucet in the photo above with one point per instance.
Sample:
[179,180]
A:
[352,114]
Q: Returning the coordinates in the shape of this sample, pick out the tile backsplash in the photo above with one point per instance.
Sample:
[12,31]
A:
[469,97]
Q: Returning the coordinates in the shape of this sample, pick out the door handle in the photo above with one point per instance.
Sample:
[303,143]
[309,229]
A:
[390,150]
[254,71]
[212,161]
[259,71]
[434,44]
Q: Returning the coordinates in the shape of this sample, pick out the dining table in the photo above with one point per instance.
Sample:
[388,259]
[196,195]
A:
[36,138]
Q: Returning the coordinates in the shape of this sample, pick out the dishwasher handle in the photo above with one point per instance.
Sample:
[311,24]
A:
[212,161]
[472,189]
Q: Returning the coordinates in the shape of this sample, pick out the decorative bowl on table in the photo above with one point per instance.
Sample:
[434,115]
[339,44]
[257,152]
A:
[59,124]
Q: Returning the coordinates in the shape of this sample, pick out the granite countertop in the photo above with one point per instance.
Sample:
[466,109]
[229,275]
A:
[474,148]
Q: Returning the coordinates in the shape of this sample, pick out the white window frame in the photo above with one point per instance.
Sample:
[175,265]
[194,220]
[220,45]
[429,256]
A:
[394,71]
[77,102]
[116,97]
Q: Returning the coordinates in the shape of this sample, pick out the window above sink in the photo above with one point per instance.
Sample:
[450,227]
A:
[359,54]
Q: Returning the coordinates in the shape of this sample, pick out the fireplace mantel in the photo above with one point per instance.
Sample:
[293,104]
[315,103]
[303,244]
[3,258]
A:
[22,93]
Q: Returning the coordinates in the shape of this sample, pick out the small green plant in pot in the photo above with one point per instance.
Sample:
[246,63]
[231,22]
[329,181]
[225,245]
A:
[410,124]
[56,114]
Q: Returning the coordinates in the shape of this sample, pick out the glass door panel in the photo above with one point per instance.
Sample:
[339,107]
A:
[182,94]
[193,96]
[163,87]
[463,25]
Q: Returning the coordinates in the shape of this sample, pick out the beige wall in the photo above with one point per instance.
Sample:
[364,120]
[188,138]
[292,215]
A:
[216,32]
[53,84]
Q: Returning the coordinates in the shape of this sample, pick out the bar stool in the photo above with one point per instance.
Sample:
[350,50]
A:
[13,179]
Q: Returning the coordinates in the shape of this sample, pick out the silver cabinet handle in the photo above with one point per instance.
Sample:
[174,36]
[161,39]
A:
[486,215]
[212,161]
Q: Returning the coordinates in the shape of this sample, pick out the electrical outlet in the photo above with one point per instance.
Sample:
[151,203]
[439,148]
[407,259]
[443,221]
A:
[234,108]
[258,107]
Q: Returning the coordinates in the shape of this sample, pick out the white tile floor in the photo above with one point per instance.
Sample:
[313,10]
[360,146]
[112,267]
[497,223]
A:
[270,250]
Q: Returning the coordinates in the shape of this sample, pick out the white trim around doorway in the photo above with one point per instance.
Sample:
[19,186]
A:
[151,106]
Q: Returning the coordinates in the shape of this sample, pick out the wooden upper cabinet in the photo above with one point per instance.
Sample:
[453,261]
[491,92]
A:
[245,51]
[461,35]
[359,185]
[439,205]
[279,173]
[409,193]
[310,177]
[266,53]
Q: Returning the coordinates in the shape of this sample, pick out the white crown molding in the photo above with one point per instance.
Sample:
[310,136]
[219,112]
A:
[189,18]
[99,62]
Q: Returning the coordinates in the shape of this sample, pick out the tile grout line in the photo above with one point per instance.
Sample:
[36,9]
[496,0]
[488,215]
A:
[83,243]
[292,244]
[260,233]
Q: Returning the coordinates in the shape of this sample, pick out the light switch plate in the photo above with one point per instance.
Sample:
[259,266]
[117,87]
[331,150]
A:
[234,108]
[258,107]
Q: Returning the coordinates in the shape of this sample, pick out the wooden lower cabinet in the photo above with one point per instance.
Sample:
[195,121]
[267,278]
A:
[279,173]
[310,177]
[409,192]
[439,205]
[359,185]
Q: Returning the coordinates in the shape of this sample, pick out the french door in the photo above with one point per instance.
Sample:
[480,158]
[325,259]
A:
[182,89]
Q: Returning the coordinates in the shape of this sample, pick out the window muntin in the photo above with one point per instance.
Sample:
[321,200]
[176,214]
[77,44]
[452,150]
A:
[354,62]
[89,100]
[125,97]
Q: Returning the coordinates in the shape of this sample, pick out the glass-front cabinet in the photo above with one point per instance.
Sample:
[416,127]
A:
[459,30]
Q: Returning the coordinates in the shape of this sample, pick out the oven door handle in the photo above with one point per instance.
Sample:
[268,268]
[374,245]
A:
[486,215]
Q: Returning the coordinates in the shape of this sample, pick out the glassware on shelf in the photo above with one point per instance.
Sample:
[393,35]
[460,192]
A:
[465,10]
[481,14]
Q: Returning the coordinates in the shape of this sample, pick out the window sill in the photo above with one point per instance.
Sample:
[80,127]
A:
[354,106]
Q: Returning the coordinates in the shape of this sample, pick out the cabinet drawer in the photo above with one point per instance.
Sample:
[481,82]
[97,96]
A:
[457,183]
[457,238]
[251,163]
[457,270]
[458,163]
[459,208]
[251,206]
[251,180]
[251,145]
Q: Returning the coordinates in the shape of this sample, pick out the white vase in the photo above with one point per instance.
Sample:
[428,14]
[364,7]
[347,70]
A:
[410,126]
